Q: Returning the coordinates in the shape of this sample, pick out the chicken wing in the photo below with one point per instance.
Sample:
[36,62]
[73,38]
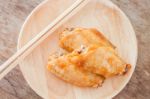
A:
[91,58]
[72,39]
[104,61]
[68,68]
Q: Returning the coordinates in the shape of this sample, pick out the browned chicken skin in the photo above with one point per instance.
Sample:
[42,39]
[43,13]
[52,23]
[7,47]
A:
[69,68]
[91,58]
[74,38]
[103,61]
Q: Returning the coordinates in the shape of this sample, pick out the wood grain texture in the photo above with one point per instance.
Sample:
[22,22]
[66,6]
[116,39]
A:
[12,15]
[138,12]
[100,14]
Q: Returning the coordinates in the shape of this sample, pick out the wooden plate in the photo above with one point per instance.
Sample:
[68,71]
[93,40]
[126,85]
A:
[100,14]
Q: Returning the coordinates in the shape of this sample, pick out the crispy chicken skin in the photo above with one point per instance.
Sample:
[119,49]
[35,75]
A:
[90,58]
[103,61]
[71,39]
[68,68]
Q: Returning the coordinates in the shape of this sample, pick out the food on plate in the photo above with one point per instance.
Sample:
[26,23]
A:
[69,68]
[90,58]
[103,61]
[73,38]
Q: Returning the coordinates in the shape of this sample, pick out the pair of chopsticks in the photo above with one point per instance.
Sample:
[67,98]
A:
[26,50]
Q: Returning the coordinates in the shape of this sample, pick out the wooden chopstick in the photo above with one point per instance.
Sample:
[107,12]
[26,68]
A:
[24,51]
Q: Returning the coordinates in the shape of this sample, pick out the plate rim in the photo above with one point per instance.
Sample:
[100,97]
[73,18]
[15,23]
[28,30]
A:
[135,39]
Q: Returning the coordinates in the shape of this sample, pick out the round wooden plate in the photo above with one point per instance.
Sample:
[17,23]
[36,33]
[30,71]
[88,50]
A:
[100,14]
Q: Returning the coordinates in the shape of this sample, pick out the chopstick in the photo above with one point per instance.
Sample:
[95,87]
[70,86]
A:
[26,50]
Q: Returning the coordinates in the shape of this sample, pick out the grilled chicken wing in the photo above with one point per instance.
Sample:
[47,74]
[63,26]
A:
[68,68]
[89,65]
[104,61]
[72,39]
